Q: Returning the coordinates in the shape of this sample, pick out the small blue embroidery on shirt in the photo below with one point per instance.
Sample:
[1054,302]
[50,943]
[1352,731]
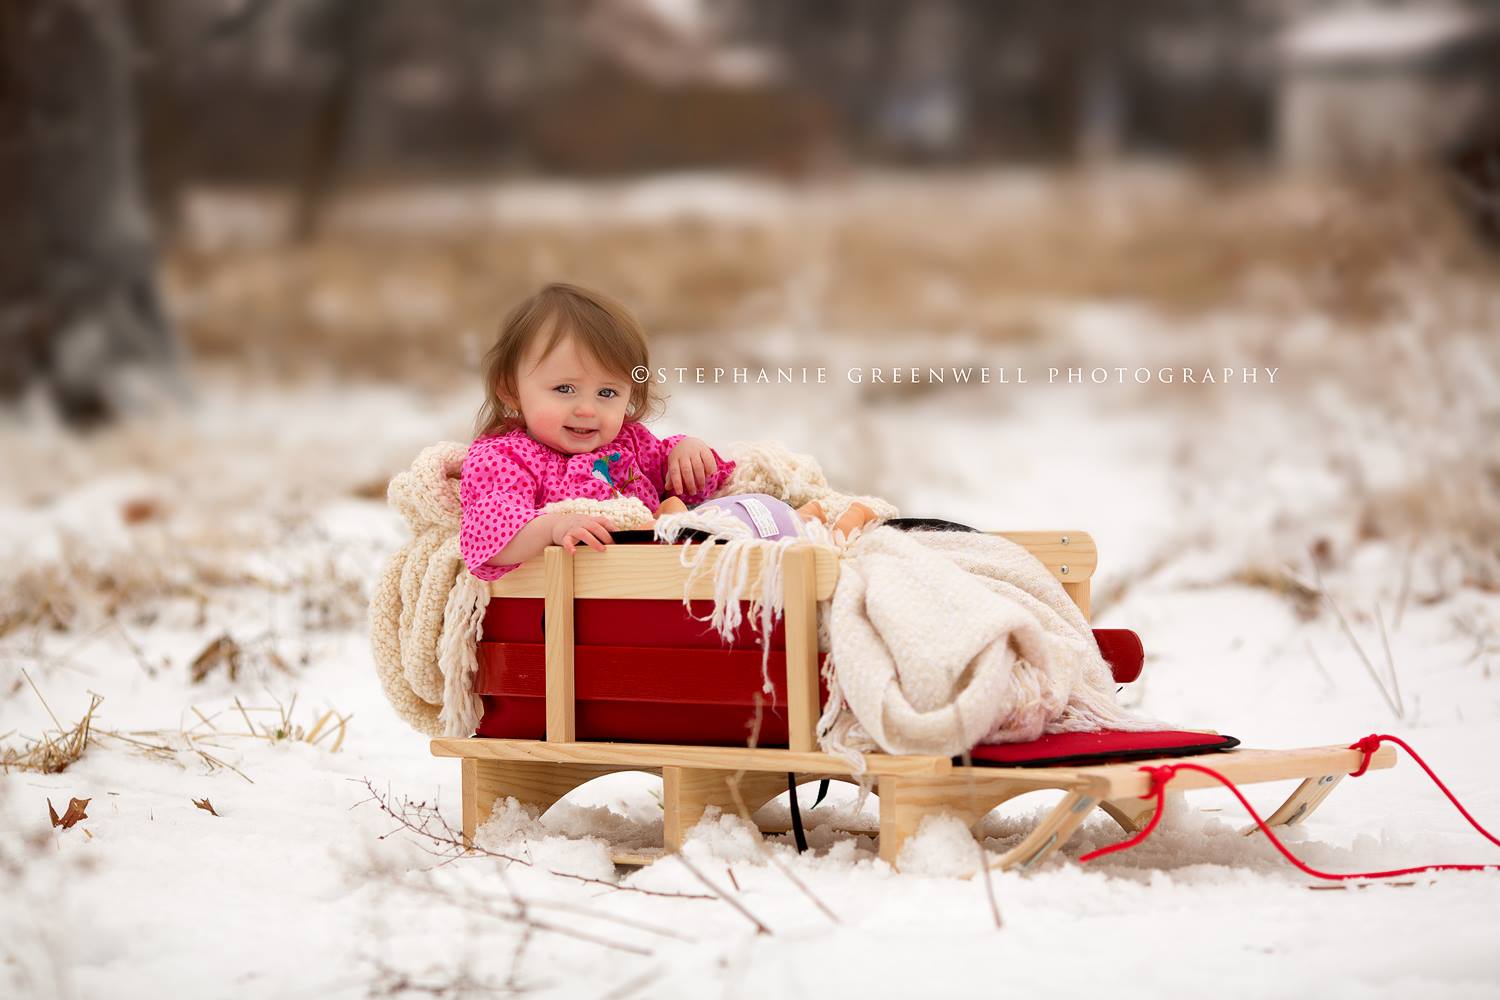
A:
[601,469]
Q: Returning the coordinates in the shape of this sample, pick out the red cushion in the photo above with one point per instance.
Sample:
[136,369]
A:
[1098,748]
[1123,650]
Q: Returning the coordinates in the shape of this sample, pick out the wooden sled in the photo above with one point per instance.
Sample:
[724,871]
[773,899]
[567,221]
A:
[539,760]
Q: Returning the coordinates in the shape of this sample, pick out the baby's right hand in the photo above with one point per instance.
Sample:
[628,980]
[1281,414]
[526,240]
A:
[570,529]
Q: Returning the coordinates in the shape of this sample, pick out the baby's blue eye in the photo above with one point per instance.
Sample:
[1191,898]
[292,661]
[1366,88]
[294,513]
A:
[612,393]
[563,388]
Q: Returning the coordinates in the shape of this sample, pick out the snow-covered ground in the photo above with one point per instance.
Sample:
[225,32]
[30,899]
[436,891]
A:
[257,516]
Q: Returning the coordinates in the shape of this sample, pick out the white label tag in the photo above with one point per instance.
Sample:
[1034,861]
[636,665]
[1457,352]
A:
[765,524]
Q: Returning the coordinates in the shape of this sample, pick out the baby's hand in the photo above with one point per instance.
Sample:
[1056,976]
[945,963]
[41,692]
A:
[570,529]
[689,465]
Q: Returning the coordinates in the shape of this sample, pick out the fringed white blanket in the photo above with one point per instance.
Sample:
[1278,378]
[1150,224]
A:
[735,556]
[940,640]
[935,640]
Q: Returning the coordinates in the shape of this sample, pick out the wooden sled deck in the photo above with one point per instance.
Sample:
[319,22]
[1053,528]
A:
[539,772]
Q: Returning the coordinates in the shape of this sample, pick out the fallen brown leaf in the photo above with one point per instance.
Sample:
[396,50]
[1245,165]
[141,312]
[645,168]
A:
[73,815]
[370,489]
[221,650]
[205,805]
[140,509]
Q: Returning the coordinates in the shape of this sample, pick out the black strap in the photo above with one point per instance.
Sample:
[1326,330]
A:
[797,832]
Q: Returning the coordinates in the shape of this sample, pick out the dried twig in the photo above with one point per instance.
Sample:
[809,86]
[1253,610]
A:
[1405,590]
[984,858]
[625,989]
[513,977]
[428,823]
[760,928]
[521,915]
[1319,664]
[204,720]
[521,911]
[733,783]
[392,982]
[1390,664]
[1358,649]
[770,855]
[136,649]
[245,715]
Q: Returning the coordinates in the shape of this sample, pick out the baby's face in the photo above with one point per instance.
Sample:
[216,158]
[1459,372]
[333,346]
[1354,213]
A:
[565,393]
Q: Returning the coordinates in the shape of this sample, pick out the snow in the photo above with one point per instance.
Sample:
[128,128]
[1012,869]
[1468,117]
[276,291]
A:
[303,885]
[220,218]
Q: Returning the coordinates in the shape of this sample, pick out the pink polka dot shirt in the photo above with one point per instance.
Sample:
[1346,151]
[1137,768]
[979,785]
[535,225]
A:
[508,477]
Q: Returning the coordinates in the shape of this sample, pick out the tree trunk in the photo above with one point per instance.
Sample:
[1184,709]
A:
[80,311]
[349,24]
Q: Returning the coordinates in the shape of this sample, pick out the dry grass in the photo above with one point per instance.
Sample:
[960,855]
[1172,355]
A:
[1431,393]
[330,725]
[55,750]
[1304,598]
[87,585]
[966,253]
[168,744]
[1402,414]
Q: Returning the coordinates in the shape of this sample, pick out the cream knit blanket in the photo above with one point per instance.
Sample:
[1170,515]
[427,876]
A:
[426,606]
[943,639]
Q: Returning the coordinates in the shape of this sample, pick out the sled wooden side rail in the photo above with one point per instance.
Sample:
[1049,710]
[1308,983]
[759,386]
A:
[696,778]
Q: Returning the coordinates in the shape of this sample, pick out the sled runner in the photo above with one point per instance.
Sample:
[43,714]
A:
[589,665]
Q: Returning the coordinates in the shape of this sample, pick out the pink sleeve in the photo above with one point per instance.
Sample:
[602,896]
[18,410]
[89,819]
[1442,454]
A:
[653,454]
[498,492]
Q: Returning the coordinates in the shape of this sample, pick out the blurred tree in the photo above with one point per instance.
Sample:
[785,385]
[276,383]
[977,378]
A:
[80,311]
[346,26]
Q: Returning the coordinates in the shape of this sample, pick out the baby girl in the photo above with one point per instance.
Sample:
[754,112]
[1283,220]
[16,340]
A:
[561,420]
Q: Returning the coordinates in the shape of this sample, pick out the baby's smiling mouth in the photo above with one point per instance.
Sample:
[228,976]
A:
[580,431]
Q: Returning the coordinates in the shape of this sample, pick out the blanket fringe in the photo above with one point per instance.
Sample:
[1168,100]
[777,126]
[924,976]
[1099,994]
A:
[463,623]
[737,546]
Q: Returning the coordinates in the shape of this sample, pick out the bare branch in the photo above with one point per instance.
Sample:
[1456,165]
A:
[451,845]
[1358,649]
[760,928]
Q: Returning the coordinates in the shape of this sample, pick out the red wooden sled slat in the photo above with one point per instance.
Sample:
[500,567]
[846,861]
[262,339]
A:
[619,621]
[632,673]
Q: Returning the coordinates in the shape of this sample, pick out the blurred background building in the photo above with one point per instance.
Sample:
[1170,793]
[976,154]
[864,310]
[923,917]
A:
[267,89]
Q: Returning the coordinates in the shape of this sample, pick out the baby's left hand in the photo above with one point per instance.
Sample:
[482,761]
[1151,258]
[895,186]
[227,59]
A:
[689,465]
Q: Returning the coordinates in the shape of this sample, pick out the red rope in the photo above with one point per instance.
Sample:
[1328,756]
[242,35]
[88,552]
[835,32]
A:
[1371,743]
[1162,774]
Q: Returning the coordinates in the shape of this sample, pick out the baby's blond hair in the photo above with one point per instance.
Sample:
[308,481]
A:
[603,328]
